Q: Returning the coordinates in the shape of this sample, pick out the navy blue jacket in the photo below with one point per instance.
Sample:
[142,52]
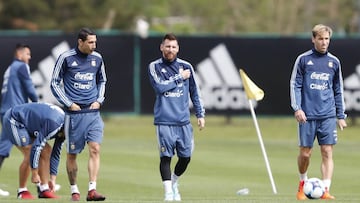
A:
[172,92]
[17,86]
[316,86]
[83,78]
[43,122]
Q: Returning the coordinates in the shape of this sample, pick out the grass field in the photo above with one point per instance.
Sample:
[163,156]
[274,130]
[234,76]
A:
[227,157]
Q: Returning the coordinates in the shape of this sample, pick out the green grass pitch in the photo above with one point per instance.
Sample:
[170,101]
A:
[227,157]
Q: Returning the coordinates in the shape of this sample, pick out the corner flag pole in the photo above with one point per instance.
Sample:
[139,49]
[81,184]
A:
[262,147]
[254,92]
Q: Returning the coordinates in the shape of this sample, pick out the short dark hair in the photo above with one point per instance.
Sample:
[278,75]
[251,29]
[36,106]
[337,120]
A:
[84,32]
[169,36]
[19,46]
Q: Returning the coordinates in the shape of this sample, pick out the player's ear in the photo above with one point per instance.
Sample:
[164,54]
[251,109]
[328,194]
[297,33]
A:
[80,42]
[313,40]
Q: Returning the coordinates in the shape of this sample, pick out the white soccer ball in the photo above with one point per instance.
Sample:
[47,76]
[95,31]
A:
[314,188]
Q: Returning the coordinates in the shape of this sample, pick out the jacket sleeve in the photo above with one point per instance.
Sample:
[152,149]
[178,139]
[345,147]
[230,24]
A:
[55,155]
[101,81]
[47,132]
[296,81]
[36,149]
[195,95]
[26,82]
[160,84]
[339,94]
[56,80]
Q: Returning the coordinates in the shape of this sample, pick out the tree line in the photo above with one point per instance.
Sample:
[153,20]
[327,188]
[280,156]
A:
[226,17]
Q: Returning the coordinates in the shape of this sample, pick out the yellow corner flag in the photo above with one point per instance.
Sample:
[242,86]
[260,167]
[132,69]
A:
[252,91]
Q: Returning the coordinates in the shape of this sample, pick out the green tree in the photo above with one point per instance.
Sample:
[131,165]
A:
[226,17]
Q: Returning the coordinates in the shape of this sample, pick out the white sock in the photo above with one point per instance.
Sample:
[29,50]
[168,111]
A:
[167,186]
[74,189]
[92,185]
[174,178]
[44,187]
[303,176]
[22,189]
[327,183]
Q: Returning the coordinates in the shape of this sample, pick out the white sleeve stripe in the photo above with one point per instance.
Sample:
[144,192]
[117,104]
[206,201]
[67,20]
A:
[58,90]
[101,96]
[156,78]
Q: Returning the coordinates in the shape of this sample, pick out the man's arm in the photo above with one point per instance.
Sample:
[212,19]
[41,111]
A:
[101,84]
[296,81]
[27,83]
[55,155]
[56,79]
[195,95]
[161,85]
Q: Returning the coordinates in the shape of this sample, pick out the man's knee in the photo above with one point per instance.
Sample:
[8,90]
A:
[94,147]
[184,160]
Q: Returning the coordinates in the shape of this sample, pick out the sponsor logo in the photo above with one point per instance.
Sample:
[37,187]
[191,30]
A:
[81,86]
[84,76]
[220,82]
[320,76]
[178,93]
[323,86]
[72,146]
[331,64]
[74,64]
[93,63]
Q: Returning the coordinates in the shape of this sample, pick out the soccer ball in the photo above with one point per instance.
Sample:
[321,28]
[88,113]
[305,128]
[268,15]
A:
[314,188]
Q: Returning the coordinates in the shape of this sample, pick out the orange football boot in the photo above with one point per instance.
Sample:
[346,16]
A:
[300,194]
[327,195]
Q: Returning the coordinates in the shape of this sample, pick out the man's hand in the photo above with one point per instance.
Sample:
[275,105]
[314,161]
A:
[300,116]
[74,107]
[201,123]
[95,105]
[185,74]
[52,183]
[35,178]
[342,124]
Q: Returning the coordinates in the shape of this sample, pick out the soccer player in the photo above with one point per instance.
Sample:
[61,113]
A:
[174,83]
[316,93]
[29,127]
[82,71]
[17,88]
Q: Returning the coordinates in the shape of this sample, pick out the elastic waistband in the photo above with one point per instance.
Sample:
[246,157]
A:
[83,110]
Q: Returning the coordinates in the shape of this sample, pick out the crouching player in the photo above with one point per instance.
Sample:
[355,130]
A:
[29,127]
